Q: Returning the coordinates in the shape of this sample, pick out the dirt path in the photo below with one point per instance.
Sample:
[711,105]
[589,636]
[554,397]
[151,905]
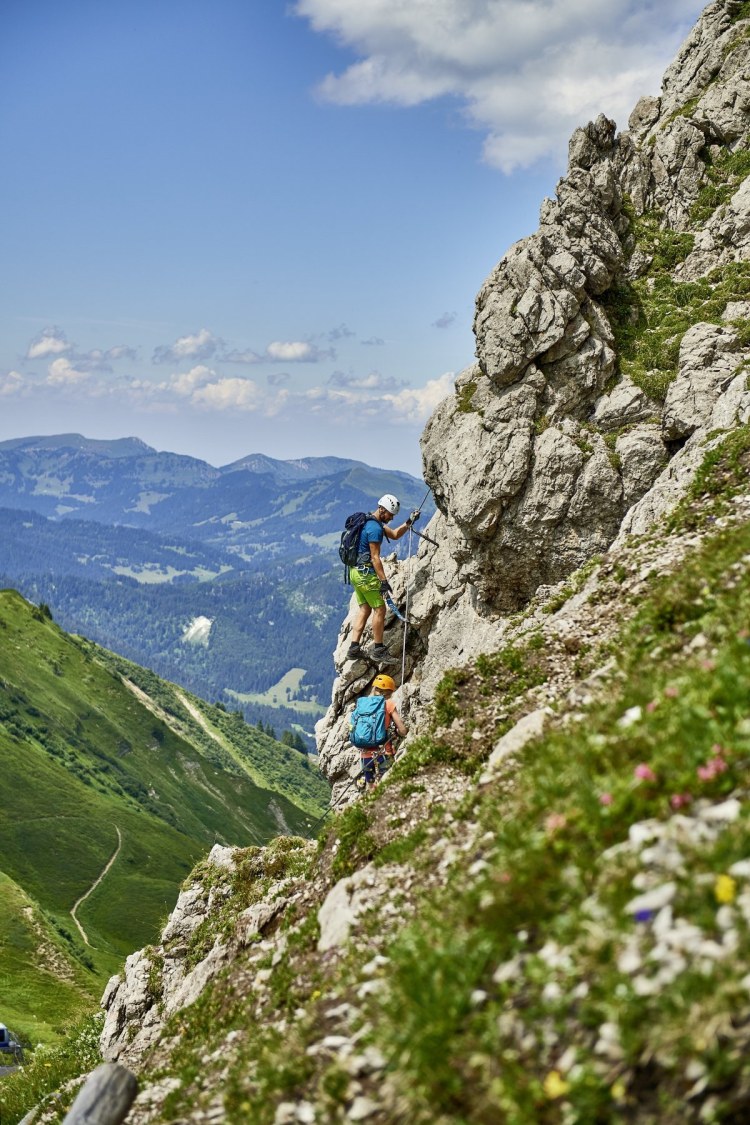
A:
[202,721]
[93,887]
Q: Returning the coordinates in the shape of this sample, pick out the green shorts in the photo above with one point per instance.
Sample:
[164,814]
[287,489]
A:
[366,587]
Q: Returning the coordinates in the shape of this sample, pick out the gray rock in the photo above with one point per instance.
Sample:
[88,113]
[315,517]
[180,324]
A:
[525,730]
[709,357]
[678,170]
[646,113]
[642,455]
[344,904]
[725,237]
[623,406]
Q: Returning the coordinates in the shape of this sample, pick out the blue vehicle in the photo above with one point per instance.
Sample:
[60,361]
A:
[10,1046]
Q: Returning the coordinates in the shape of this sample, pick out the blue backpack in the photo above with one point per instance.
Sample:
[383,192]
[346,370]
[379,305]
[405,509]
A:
[367,728]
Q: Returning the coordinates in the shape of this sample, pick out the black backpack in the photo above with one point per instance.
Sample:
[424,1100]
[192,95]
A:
[349,545]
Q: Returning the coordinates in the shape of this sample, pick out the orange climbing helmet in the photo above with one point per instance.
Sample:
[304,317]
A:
[385,683]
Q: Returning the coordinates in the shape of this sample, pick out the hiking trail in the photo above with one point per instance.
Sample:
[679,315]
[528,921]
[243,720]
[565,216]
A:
[93,887]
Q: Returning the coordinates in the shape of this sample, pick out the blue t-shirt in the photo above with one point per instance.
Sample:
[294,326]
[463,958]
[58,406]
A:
[372,532]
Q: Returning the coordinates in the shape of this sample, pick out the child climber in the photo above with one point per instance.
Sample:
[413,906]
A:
[371,728]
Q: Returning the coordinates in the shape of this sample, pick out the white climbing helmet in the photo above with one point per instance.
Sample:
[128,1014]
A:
[390,503]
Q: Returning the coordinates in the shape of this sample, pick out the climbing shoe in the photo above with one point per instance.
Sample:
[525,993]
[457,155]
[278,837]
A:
[381,654]
[354,651]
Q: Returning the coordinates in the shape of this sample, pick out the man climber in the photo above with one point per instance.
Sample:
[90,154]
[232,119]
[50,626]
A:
[369,580]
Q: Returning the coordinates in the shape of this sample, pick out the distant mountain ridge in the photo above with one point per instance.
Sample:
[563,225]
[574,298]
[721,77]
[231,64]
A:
[116,447]
[258,503]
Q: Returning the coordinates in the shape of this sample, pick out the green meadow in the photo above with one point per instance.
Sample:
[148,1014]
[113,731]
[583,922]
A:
[90,769]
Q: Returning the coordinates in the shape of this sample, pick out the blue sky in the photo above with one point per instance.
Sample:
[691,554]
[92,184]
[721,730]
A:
[237,226]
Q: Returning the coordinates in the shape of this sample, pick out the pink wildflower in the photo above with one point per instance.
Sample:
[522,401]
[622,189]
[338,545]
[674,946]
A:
[605,798]
[680,800]
[712,769]
[671,692]
[555,821]
[651,707]
[644,772]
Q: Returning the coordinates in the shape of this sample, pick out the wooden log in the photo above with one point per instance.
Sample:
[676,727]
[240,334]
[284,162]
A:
[105,1098]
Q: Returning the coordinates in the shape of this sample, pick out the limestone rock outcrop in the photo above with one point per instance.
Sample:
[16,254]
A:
[555,442]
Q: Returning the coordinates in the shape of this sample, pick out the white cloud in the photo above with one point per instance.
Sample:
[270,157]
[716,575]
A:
[416,404]
[201,345]
[122,351]
[297,351]
[246,356]
[186,384]
[202,389]
[230,394]
[527,71]
[50,341]
[62,373]
[13,384]
[370,382]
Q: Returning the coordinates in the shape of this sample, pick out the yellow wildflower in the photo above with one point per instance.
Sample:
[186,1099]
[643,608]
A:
[725,889]
[555,1085]
[618,1091]
[316,995]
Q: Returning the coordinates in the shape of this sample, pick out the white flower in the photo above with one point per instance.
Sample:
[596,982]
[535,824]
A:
[663,854]
[653,900]
[644,986]
[726,811]
[507,971]
[646,830]
[663,922]
[632,715]
[725,917]
[630,960]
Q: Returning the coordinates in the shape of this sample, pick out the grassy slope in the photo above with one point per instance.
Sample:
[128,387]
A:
[81,755]
[44,981]
[224,737]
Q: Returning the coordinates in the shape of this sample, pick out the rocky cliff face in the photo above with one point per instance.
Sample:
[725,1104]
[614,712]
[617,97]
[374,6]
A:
[610,345]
